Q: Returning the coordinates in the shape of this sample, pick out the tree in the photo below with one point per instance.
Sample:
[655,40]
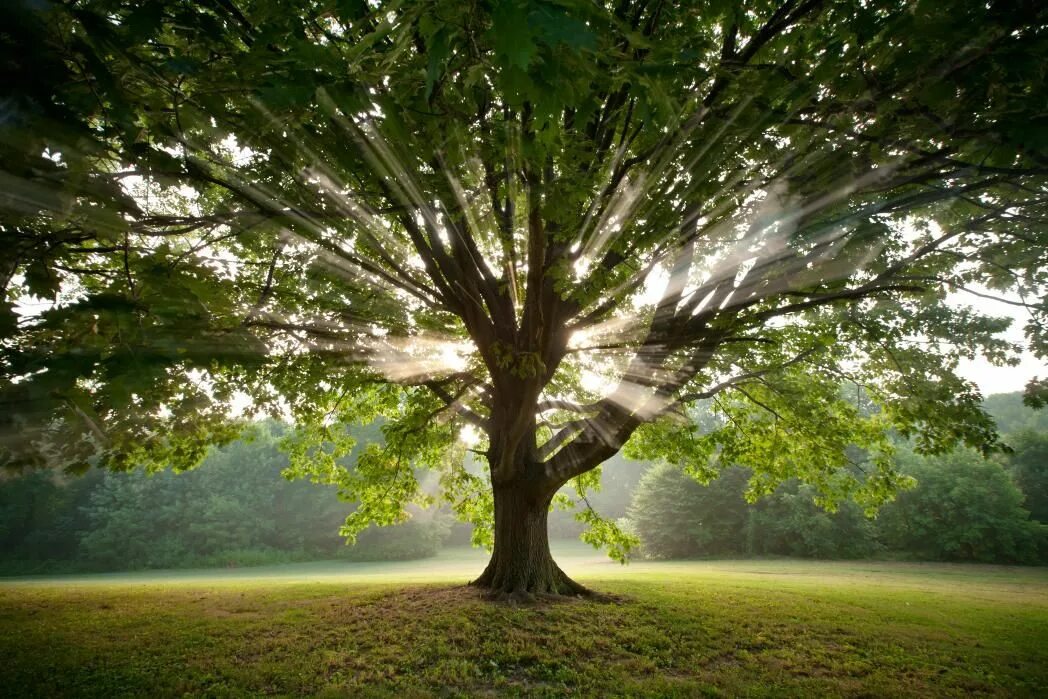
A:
[789,523]
[40,516]
[236,503]
[547,226]
[674,516]
[964,508]
[1028,465]
[236,509]
[1012,415]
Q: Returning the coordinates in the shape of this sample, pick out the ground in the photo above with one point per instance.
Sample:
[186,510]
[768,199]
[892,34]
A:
[716,628]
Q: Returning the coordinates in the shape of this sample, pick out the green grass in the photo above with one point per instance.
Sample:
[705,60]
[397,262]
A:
[717,628]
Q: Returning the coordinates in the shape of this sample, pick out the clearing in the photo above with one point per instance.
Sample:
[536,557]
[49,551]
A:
[731,628]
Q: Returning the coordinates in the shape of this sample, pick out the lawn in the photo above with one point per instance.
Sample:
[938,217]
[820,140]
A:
[716,628]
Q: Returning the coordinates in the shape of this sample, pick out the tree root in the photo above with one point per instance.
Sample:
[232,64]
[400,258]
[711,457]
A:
[530,589]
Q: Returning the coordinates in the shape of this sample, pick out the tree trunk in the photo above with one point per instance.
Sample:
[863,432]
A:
[521,565]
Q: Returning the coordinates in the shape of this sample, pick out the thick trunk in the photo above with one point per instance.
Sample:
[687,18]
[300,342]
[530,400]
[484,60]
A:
[521,565]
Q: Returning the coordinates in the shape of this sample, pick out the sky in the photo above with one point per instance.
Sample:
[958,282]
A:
[993,379]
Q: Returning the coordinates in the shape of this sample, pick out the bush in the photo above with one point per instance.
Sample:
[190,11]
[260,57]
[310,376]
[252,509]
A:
[243,558]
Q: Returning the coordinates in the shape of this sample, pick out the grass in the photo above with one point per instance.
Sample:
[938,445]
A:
[714,628]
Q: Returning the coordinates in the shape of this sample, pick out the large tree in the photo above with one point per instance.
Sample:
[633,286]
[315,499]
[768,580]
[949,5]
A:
[547,226]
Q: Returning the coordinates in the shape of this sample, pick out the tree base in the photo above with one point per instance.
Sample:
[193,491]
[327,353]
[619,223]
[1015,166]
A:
[521,568]
[525,589]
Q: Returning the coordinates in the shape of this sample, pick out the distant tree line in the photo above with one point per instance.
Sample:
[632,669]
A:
[235,509]
[963,508]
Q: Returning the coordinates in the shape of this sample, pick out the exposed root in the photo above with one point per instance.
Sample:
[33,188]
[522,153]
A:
[552,584]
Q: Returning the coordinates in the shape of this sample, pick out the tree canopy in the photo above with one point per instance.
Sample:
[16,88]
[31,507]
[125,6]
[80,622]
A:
[540,228]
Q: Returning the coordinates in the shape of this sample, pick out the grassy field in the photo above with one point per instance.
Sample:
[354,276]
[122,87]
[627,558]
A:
[717,628]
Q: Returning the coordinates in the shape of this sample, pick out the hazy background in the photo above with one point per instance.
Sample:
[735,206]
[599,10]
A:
[237,510]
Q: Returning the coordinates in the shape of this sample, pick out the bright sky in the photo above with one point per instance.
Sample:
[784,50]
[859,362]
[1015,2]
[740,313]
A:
[990,379]
[1001,379]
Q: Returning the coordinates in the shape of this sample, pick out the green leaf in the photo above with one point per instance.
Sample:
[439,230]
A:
[144,20]
[437,47]
[553,25]
[512,36]
[41,280]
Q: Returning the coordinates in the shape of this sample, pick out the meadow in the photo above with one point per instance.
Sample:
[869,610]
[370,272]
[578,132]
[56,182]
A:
[686,628]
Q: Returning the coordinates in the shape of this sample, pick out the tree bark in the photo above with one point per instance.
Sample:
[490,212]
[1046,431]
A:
[521,565]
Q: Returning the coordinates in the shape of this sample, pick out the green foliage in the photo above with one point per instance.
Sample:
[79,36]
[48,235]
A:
[41,516]
[596,504]
[609,502]
[797,426]
[381,477]
[964,509]
[235,504]
[235,510]
[473,502]
[1012,415]
[790,523]
[521,364]
[1036,393]
[961,506]
[1028,466]
[420,537]
[605,533]
[677,517]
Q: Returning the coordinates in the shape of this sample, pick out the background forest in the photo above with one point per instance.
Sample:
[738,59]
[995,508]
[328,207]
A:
[237,509]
